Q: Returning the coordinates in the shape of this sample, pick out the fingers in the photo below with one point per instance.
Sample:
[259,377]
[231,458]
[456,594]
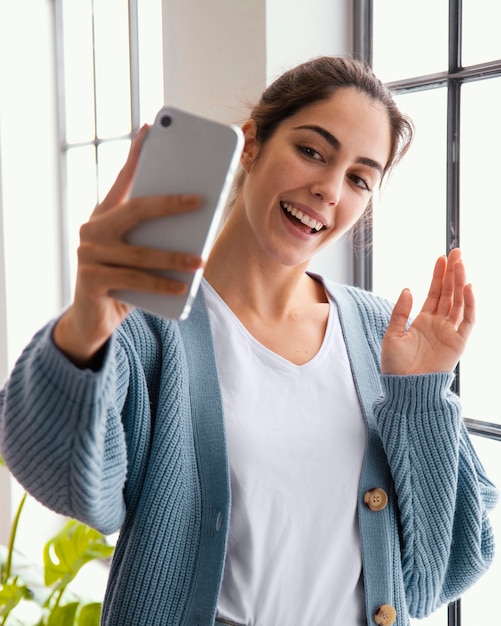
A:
[454,309]
[140,209]
[435,290]
[107,262]
[110,226]
[138,257]
[445,295]
[109,265]
[400,314]
[451,298]
[468,321]
[127,278]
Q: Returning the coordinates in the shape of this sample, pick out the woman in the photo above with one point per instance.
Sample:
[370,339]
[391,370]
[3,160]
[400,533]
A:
[356,496]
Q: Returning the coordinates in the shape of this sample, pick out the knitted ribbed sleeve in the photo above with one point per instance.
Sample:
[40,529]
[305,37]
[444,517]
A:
[61,432]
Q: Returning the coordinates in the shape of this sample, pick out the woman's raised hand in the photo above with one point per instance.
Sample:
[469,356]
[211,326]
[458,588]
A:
[106,263]
[437,337]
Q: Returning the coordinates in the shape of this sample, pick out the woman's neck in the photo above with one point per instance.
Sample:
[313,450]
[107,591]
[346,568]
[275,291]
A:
[250,282]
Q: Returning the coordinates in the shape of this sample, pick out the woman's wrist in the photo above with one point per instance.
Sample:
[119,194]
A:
[84,349]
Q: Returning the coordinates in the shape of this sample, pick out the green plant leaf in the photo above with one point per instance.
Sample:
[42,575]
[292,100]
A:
[63,615]
[2,462]
[90,614]
[68,551]
[11,594]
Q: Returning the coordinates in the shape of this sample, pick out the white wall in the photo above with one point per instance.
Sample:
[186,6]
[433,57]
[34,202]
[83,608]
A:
[219,55]
[214,55]
[297,30]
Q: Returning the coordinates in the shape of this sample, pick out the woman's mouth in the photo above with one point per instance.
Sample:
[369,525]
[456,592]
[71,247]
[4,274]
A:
[299,217]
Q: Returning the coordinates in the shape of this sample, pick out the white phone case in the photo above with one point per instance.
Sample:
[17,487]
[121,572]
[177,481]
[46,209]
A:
[183,154]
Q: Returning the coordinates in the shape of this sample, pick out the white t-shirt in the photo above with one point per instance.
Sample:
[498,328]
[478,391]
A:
[296,442]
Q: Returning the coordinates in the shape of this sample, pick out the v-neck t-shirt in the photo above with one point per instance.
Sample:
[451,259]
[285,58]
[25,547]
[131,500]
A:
[296,440]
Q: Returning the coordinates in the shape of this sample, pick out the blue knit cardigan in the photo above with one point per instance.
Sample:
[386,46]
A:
[140,446]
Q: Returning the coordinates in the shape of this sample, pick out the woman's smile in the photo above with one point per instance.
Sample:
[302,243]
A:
[302,218]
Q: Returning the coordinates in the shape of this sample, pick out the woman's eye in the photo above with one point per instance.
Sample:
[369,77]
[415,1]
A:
[361,182]
[310,153]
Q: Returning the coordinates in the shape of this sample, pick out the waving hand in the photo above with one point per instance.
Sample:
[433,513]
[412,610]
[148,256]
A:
[437,337]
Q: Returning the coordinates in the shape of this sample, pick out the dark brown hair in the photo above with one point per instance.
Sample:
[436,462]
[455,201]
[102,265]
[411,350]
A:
[317,80]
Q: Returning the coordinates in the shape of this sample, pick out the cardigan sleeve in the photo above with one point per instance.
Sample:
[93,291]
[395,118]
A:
[443,493]
[61,433]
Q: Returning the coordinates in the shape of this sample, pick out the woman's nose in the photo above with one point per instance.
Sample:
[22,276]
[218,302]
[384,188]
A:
[328,188]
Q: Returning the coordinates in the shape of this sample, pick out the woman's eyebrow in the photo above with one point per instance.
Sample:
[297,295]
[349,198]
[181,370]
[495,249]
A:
[336,144]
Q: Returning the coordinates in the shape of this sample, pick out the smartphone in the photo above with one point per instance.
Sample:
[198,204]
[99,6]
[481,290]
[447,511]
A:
[183,153]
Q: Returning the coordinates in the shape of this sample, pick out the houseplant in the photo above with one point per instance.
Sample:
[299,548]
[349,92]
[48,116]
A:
[64,555]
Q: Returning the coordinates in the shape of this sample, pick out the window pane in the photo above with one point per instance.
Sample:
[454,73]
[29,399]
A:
[410,38]
[480,225]
[112,68]
[481,41]
[480,605]
[409,219]
[82,197]
[150,59]
[78,70]
[111,157]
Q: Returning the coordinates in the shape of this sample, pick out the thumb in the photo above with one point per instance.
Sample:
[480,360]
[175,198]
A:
[400,314]
[121,186]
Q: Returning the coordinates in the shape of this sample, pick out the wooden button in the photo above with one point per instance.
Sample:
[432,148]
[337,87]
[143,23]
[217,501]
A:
[385,615]
[376,499]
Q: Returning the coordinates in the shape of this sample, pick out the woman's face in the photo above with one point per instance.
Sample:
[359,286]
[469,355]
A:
[312,180]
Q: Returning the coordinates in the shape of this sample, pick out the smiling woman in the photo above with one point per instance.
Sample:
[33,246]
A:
[291,453]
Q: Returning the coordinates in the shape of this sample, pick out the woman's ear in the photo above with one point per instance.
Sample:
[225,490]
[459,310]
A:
[250,150]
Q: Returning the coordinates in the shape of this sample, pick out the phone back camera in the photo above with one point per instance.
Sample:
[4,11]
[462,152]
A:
[166,120]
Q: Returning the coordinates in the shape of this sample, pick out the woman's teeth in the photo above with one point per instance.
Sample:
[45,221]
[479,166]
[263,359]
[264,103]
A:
[302,217]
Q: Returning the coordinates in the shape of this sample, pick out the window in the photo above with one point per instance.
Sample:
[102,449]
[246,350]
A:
[443,60]
[110,78]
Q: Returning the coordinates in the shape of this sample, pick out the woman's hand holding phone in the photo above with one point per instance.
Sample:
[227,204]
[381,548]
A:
[106,263]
